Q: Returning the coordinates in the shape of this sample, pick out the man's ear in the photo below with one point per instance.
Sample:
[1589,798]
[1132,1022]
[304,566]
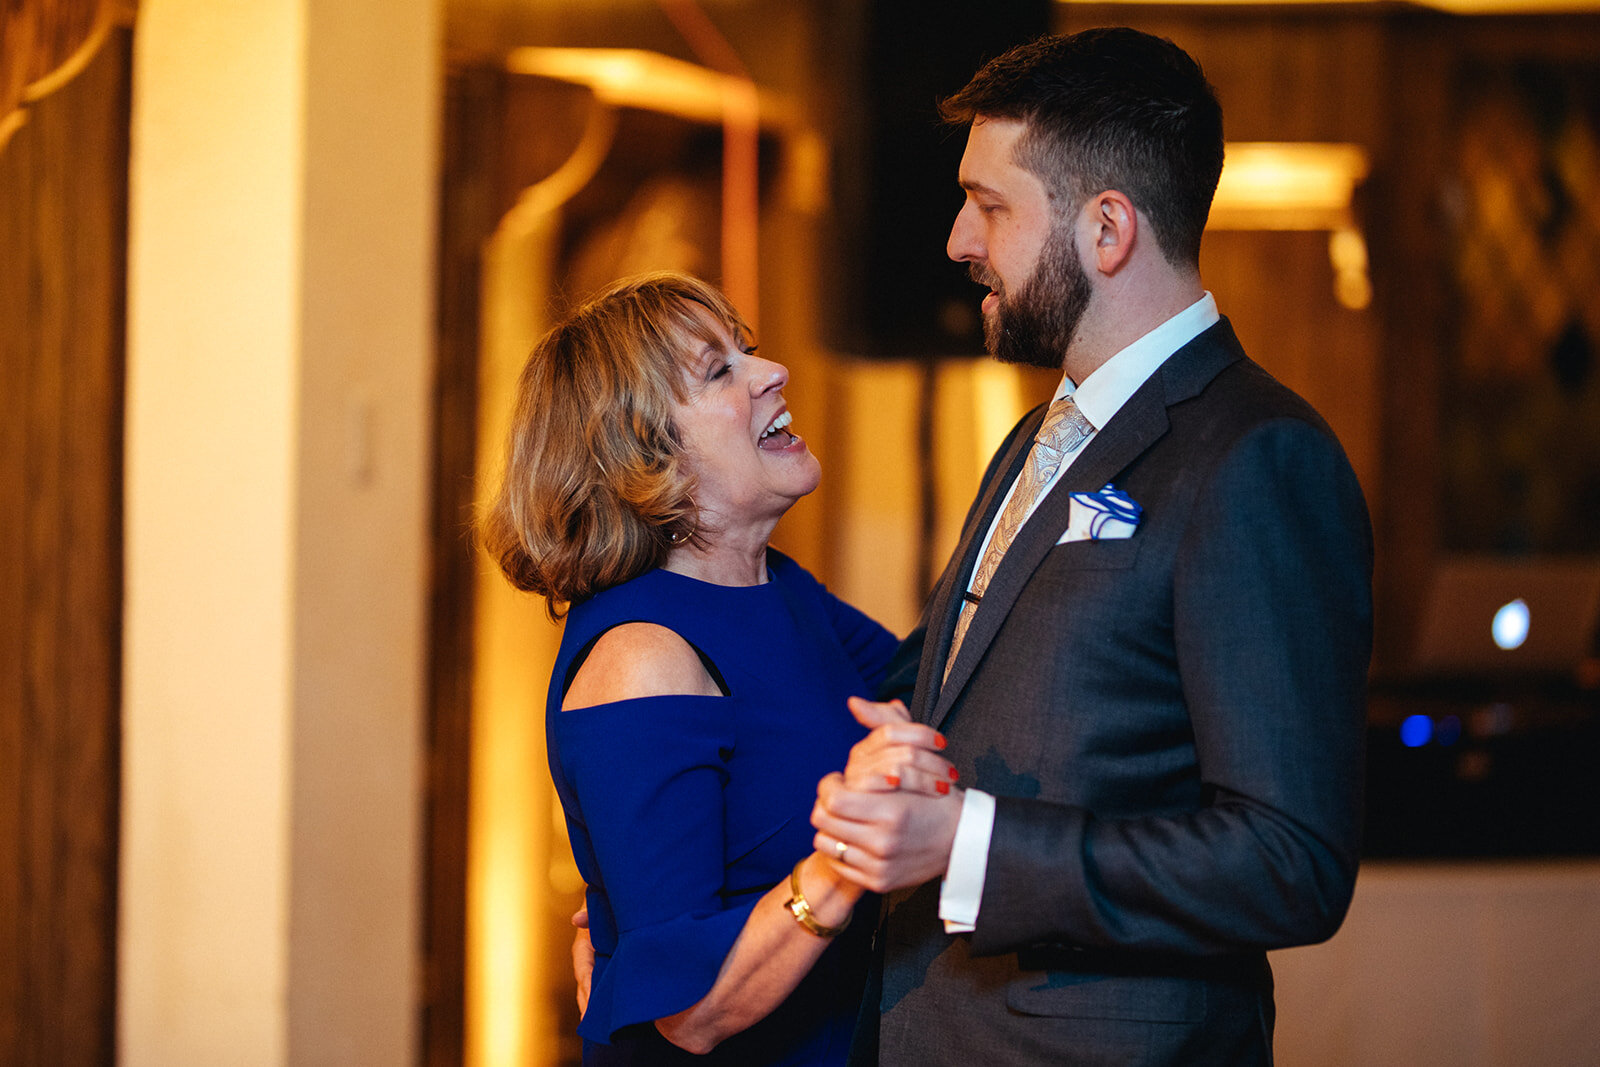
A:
[1114,226]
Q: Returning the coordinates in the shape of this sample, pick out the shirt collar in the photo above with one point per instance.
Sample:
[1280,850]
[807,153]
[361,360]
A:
[1103,393]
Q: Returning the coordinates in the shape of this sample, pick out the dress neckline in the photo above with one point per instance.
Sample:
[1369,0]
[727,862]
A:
[772,578]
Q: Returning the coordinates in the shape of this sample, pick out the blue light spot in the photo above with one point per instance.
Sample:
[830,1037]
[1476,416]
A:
[1415,731]
[1510,626]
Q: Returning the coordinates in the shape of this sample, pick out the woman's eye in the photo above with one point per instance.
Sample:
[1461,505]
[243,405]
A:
[720,370]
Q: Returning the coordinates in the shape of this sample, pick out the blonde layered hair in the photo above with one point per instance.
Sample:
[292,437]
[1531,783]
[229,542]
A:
[595,490]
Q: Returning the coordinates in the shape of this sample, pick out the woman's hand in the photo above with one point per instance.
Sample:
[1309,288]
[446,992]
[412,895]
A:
[898,754]
[582,957]
[884,840]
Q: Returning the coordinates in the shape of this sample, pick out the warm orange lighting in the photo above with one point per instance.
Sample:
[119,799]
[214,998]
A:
[1352,285]
[1456,7]
[1284,185]
[627,77]
[511,834]
[1511,7]
[45,46]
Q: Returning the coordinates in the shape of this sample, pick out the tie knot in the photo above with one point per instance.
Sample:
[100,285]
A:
[1064,427]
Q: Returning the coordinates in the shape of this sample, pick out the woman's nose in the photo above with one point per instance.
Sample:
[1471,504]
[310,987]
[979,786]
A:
[769,375]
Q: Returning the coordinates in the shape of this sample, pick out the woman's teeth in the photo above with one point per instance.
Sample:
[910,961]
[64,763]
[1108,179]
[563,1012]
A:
[779,423]
[776,436]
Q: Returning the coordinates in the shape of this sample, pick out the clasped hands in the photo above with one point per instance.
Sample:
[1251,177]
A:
[887,822]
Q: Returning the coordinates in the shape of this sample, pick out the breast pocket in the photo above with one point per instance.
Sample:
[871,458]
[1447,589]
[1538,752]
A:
[1118,554]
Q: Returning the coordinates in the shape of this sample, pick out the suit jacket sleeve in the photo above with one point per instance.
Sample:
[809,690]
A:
[1271,619]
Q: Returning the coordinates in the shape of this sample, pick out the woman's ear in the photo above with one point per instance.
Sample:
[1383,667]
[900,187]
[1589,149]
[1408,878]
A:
[1114,228]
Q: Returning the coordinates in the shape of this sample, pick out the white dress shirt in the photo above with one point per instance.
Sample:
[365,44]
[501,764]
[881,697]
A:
[1100,397]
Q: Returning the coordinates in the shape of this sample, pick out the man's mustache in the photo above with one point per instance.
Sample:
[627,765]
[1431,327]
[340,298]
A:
[983,275]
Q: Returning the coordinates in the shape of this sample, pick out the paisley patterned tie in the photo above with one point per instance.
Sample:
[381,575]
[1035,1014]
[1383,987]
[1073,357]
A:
[1063,432]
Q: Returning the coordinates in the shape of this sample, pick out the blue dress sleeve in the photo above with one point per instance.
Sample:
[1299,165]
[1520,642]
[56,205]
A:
[899,679]
[869,646]
[648,777]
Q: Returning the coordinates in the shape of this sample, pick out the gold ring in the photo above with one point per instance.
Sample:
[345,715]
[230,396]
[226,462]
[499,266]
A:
[839,849]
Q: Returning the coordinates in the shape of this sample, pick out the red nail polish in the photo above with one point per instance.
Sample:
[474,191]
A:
[955,775]
[893,780]
[939,741]
[942,787]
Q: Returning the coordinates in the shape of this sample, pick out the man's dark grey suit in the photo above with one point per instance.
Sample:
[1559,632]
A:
[1172,725]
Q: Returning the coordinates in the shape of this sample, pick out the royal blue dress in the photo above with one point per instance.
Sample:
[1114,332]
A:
[684,810]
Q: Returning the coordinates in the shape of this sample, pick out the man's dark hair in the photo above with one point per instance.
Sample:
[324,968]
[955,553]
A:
[1110,109]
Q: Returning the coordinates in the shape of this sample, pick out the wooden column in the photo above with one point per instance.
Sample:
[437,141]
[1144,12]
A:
[63,223]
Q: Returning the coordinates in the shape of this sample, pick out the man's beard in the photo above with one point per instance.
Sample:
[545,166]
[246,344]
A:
[1035,325]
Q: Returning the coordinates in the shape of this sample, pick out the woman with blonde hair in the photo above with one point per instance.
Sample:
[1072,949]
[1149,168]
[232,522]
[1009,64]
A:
[700,689]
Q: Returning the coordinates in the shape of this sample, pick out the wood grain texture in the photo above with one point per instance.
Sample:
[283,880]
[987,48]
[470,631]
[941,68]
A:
[472,120]
[63,233]
[42,44]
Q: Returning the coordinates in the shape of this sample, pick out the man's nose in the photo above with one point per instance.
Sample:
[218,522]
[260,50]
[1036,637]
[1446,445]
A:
[963,244]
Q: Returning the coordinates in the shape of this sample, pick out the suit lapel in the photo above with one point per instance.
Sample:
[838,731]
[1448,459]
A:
[1140,423]
[946,599]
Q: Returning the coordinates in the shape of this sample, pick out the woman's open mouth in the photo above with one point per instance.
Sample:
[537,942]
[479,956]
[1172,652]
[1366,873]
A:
[776,437]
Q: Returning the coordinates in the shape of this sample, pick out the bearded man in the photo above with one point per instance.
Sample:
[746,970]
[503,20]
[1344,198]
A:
[1148,654]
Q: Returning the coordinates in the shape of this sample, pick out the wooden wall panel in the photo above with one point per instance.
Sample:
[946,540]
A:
[472,112]
[63,190]
[1323,74]
[1380,76]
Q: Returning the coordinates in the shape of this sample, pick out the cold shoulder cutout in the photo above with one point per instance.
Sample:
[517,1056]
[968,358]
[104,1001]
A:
[634,660]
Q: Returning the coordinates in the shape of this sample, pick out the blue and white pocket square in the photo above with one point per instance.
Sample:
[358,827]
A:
[1107,515]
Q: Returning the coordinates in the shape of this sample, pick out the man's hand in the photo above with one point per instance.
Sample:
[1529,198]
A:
[897,754]
[582,957]
[893,839]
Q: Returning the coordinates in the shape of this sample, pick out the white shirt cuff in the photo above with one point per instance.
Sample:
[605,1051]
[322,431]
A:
[962,890]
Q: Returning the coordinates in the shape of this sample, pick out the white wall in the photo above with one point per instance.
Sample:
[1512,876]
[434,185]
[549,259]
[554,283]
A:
[1464,964]
[279,375]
